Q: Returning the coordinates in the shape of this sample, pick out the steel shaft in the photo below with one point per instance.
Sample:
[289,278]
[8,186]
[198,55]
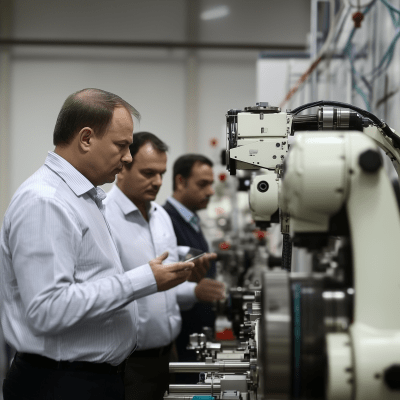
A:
[221,366]
[203,389]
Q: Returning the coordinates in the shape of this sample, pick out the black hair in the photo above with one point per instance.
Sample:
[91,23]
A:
[184,164]
[91,108]
[140,138]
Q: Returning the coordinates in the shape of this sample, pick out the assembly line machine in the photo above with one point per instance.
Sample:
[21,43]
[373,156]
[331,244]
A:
[332,333]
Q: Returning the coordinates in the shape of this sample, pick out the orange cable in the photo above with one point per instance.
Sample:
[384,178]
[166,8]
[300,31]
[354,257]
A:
[301,80]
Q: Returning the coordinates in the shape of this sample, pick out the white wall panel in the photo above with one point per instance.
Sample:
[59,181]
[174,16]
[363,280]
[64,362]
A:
[258,21]
[39,88]
[100,19]
[223,85]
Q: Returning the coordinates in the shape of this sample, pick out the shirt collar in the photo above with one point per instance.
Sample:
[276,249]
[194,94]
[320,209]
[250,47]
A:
[127,206]
[186,214]
[78,183]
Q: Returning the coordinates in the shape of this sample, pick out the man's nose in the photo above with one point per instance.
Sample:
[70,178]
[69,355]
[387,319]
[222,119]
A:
[127,158]
[158,180]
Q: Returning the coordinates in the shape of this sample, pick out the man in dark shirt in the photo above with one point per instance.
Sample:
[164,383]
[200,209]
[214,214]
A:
[192,185]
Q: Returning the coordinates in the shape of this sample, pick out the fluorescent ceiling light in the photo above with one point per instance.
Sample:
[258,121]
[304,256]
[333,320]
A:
[214,13]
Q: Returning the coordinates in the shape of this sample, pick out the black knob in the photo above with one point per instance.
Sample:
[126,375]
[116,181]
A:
[370,161]
[262,186]
[392,377]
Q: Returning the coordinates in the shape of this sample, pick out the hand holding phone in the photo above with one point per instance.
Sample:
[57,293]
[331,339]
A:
[196,257]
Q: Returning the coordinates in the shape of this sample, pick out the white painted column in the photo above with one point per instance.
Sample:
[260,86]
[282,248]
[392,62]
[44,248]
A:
[5,61]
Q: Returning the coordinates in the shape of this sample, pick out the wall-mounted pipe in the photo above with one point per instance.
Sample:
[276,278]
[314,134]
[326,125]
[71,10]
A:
[149,44]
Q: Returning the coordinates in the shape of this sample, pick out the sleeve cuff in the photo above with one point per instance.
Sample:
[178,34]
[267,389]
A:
[185,295]
[143,281]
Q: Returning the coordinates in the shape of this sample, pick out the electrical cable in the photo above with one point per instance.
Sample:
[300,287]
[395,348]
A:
[300,81]
[363,96]
[390,6]
[384,62]
[387,58]
[345,18]
[340,30]
[329,54]
[355,73]
[348,51]
[381,124]
[359,6]
[392,11]
[377,71]
[332,29]
[332,37]
[317,59]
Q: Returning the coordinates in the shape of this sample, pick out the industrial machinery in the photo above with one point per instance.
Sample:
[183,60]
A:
[333,333]
[226,370]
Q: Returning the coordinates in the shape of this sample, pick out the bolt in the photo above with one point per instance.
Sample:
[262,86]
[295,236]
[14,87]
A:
[370,161]
[392,377]
[262,186]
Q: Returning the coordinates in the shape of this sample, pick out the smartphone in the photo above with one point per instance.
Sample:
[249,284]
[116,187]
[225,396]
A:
[195,257]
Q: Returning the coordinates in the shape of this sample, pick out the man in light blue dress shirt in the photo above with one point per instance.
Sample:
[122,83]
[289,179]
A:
[143,229]
[67,304]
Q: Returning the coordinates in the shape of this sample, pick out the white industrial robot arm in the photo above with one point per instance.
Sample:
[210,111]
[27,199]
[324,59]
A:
[258,138]
[324,173]
[386,144]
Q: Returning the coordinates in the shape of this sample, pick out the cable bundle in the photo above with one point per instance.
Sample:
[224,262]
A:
[335,32]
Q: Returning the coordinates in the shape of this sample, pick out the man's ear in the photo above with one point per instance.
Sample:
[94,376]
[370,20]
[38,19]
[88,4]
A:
[180,181]
[85,137]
